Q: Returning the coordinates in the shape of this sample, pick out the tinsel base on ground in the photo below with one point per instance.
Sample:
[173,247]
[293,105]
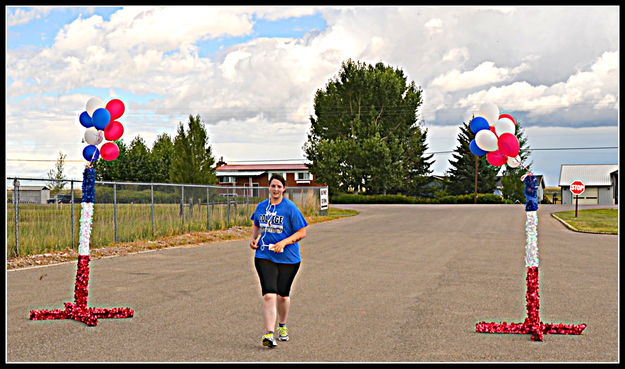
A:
[532,324]
[78,309]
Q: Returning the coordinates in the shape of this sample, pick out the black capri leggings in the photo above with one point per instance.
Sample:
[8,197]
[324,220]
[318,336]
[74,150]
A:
[275,277]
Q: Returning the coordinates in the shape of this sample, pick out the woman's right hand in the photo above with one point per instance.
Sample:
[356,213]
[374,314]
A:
[253,244]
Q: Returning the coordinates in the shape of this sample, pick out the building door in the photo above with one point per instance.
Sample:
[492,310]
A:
[589,197]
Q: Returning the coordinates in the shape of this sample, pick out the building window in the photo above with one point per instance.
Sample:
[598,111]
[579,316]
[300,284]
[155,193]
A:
[272,173]
[304,176]
[228,179]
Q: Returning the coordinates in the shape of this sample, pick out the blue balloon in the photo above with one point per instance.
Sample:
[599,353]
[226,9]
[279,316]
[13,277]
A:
[85,119]
[89,151]
[476,149]
[101,118]
[478,123]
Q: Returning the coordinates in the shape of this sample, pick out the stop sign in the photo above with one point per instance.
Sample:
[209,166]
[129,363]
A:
[577,187]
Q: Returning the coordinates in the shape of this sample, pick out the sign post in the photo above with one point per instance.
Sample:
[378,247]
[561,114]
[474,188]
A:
[323,200]
[577,188]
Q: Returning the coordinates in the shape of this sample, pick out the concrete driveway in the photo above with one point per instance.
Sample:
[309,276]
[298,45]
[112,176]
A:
[397,283]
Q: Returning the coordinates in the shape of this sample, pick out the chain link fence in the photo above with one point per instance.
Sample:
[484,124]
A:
[39,222]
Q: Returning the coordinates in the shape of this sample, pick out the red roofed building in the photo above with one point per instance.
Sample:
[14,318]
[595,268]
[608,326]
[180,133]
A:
[257,175]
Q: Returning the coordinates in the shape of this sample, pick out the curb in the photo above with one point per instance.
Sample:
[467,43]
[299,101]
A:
[567,225]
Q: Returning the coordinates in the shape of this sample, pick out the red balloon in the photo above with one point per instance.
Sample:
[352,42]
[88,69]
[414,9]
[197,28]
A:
[109,151]
[496,158]
[509,117]
[492,129]
[113,131]
[116,108]
[508,144]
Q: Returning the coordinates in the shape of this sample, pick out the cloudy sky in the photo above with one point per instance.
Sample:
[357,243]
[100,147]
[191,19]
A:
[251,74]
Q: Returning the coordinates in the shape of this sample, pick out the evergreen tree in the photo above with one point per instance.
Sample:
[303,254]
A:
[513,188]
[115,170]
[138,162]
[57,174]
[461,175]
[162,153]
[193,161]
[364,135]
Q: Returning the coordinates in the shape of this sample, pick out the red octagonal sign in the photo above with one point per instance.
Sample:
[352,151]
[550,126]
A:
[577,187]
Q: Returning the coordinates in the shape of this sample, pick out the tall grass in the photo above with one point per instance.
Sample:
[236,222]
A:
[47,227]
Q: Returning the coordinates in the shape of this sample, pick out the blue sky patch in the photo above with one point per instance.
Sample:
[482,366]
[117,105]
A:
[294,27]
[41,32]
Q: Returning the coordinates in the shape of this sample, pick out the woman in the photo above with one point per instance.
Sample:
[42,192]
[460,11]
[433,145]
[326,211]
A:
[278,226]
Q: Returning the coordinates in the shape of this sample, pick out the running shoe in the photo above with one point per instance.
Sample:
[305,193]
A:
[269,340]
[283,333]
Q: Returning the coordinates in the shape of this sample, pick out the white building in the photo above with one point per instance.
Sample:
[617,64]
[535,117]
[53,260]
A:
[600,181]
[33,194]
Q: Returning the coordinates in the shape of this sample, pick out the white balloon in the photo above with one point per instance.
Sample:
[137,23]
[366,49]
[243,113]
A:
[489,111]
[514,162]
[486,140]
[93,104]
[504,125]
[93,136]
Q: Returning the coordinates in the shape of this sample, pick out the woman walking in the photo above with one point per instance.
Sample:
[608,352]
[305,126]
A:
[278,226]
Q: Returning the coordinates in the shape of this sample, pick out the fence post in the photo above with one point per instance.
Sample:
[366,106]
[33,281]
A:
[71,213]
[182,203]
[16,202]
[228,222]
[208,216]
[152,207]
[115,209]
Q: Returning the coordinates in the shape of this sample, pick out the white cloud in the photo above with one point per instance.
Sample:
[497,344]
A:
[484,74]
[458,54]
[434,25]
[265,87]
[596,87]
[21,16]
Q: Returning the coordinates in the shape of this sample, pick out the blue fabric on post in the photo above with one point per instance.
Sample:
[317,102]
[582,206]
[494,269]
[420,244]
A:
[531,195]
[88,185]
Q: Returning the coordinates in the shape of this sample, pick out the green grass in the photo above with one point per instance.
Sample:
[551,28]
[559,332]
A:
[592,220]
[47,228]
[333,213]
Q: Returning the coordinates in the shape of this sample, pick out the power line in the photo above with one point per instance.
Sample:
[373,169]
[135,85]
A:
[281,160]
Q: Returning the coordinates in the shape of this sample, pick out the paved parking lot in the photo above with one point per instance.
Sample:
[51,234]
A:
[397,283]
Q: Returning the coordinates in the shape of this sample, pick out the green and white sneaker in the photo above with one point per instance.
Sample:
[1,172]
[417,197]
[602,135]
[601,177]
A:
[283,333]
[269,340]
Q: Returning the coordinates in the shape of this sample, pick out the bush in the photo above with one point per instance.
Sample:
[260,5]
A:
[482,198]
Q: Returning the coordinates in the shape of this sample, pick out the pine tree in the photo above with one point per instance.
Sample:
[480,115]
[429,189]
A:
[461,175]
[193,161]
[115,170]
[513,188]
[57,174]
[139,166]
[162,153]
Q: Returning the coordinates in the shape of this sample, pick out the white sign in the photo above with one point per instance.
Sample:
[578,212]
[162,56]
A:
[323,196]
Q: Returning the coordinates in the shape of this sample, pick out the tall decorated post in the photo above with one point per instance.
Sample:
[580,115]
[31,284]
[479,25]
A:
[498,142]
[100,123]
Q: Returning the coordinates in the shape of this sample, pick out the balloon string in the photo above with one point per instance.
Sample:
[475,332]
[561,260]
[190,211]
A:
[524,167]
[92,156]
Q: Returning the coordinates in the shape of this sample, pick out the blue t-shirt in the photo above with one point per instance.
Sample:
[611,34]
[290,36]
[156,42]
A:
[276,223]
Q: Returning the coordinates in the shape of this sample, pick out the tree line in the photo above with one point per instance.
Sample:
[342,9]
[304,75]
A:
[365,137]
[186,158]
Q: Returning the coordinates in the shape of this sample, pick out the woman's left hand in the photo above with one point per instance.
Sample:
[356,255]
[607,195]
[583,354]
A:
[278,247]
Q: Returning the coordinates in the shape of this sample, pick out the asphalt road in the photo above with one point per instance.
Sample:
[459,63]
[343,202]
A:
[397,283]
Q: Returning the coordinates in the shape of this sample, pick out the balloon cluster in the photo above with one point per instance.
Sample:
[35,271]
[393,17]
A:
[100,121]
[494,137]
